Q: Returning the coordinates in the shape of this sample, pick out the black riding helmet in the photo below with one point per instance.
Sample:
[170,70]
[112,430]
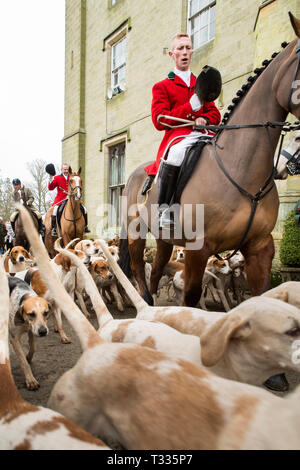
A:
[209,84]
[16,181]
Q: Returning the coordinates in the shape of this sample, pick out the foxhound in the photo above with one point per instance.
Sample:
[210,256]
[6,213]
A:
[28,313]
[249,344]
[24,426]
[17,260]
[133,391]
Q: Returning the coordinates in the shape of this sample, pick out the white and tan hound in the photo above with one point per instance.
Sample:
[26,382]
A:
[17,260]
[24,426]
[250,343]
[28,313]
[133,391]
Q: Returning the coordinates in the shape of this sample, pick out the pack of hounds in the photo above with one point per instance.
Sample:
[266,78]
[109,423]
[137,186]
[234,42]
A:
[173,377]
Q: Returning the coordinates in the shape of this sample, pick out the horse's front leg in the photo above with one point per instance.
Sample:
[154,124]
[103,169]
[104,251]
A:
[195,264]
[163,254]
[258,265]
[137,264]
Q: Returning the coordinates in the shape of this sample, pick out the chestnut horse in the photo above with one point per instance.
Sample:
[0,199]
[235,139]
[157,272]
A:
[72,220]
[247,155]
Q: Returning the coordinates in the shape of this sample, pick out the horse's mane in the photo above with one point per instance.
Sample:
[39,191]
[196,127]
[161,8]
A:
[240,94]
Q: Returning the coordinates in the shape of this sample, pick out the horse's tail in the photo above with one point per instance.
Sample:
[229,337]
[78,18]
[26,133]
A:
[124,260]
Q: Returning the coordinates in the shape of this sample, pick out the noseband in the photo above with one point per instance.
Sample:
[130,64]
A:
[72,194]
[293,161]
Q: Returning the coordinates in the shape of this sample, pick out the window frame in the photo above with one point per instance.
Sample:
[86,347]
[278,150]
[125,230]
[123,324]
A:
[211,4]
[119,67]
[118,186]
[120,33]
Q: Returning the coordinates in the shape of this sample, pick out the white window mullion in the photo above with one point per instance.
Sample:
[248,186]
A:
[201,21]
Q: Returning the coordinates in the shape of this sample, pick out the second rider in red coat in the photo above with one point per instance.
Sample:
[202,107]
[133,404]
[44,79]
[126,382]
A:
[61,182]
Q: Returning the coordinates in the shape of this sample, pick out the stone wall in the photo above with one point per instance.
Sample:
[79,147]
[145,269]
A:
[247,32]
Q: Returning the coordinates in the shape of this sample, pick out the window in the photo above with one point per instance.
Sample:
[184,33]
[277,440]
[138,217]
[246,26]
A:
[202,21]
[116,182]
[118,64]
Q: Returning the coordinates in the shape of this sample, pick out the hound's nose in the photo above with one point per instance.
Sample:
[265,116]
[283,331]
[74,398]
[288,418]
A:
[21,258]
[42,331]
[110,276]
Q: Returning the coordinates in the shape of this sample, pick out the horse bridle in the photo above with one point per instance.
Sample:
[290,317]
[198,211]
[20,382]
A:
[294,77]
[293,161]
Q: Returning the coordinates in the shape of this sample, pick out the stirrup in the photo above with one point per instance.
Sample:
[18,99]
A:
[53,232]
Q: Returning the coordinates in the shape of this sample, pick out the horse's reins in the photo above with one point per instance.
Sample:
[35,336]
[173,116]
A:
[71,195]
[264,190]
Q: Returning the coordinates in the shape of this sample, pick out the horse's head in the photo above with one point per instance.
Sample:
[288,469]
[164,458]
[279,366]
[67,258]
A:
[75,185]
[289,160]
[286,83]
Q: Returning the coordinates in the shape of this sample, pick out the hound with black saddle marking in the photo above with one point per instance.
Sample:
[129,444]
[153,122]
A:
[28,314]
[24,426]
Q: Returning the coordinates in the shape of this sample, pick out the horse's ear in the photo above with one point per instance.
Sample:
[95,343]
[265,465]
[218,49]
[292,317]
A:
[295,23]
[70,170]
[79,171]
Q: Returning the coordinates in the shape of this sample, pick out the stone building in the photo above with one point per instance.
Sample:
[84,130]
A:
[117,49]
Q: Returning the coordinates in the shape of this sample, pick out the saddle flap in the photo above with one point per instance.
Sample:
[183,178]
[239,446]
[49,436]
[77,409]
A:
[60,211]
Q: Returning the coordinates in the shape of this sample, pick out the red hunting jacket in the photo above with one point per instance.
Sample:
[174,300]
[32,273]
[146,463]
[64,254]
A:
[59,182]
[172,97]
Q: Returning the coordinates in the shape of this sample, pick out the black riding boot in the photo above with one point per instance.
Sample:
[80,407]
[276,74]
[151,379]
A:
[13,225]
[53,226]
[167,180]
[86,229]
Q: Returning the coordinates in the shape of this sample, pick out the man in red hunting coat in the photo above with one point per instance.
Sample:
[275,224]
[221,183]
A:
[175,96]
[60,182]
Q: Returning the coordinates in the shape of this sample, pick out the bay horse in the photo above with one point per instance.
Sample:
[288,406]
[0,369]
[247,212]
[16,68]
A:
[20,235]
[246,155]
[72,220]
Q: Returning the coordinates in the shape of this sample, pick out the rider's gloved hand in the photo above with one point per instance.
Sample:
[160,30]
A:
[195,102]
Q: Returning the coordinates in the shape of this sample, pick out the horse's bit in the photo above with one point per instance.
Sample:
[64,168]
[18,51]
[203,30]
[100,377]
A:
[293,161]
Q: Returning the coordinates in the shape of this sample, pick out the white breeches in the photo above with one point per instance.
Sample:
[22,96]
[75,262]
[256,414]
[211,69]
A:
[177,151]
[56,209]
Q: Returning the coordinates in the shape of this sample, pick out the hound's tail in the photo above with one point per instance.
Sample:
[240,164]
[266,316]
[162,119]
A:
[84,330]
[124,260]
[133,295]
[4,314]
[102,312]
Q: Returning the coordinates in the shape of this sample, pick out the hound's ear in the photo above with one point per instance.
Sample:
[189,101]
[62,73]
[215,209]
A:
[215,341]
[295,23]
[64,261]
[79,171]
[19,318]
